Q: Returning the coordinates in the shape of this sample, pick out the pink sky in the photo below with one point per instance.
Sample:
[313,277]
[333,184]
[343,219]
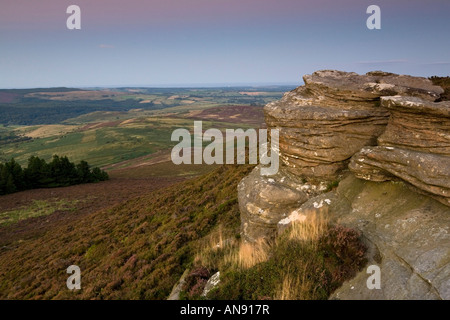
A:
[171,42]
[45,14]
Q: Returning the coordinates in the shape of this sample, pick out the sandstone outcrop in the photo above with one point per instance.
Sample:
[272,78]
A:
[263,201]
[408,235]
[326,121]
[394,137]
[415,147]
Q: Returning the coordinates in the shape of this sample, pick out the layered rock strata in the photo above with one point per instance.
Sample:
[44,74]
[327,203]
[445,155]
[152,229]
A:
[323,123]
[415,147]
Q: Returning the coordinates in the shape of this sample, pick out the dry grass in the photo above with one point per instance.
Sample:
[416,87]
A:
[223,251]
[214,247]
[248,255]
[293,288]
[220,250]
[296,285]
[306,262]
[288,289]
[312,228]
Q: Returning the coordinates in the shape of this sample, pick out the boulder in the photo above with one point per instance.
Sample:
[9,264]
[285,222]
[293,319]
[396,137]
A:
[417,124]
[323,123]
[415,147]
[211,284]
[265,200]
[408,235]
[178,287]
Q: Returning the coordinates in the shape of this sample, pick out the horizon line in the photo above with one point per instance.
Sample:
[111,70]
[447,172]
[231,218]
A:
[167,86]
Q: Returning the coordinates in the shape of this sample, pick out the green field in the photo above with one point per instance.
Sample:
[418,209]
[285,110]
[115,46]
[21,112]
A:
[104,138]
[36,209]
[106,145]
[52,106]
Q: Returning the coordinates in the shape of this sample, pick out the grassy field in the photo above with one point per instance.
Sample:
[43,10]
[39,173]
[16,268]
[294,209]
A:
[111,136]
[103,143]
[37,208]
[54,106]
[157,231]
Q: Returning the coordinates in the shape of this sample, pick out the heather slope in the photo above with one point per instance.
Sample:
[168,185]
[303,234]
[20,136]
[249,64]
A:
[136,250]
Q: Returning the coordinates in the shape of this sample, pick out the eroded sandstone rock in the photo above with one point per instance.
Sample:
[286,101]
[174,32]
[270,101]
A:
[335,115]
[350,86]
[409,238]
[323,123]
[391,128]
[263,201]
[417,124]
[415,147]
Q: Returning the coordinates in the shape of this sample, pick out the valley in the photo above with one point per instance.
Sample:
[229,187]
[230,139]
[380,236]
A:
[132,144]
[107,137]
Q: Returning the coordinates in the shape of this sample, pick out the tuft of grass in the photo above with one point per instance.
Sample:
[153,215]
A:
[221,250]
[214,247]
[293,287]
[310,229]
[248,255]
[332,185]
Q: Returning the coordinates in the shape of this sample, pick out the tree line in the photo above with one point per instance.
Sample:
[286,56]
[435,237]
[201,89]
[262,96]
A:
[60,172]
[34,111]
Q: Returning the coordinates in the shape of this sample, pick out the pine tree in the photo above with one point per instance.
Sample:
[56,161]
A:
[84,172]
[10,185]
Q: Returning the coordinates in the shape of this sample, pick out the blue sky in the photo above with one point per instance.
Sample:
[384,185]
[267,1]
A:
[216,42]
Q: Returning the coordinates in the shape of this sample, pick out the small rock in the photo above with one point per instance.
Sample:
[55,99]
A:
[211,284]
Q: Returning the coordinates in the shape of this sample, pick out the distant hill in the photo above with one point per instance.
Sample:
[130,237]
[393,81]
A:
[54,105]
[42,106]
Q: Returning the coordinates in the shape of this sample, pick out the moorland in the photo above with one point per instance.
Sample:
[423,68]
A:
[137,233]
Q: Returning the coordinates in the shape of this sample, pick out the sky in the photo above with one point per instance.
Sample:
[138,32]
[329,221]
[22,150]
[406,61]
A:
[216,42]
